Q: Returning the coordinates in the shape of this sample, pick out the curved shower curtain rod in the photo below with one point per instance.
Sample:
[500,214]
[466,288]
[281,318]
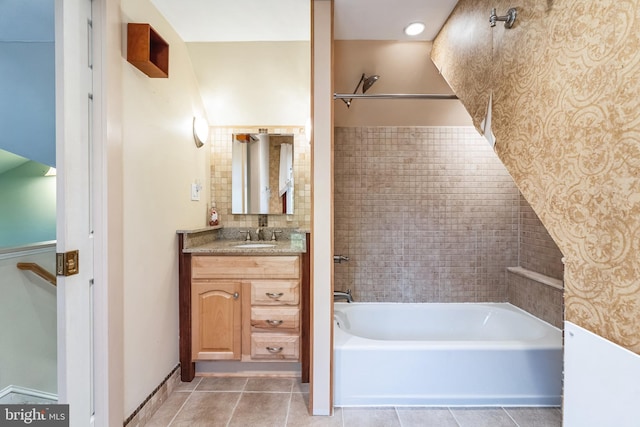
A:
[393,96]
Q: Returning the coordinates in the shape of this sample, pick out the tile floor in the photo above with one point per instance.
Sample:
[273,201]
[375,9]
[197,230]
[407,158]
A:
[282,402]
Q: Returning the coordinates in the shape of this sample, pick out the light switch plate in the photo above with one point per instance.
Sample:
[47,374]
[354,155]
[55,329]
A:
[195,191]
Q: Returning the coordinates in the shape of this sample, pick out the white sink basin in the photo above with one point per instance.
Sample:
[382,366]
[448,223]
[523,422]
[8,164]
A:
[254,245]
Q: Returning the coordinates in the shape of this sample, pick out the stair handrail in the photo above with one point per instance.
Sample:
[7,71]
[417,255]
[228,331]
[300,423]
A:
[38,270]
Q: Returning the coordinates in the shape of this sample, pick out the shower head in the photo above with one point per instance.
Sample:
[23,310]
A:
[368,82]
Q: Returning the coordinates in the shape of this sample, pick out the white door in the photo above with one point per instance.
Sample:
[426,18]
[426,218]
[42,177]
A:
[74,207]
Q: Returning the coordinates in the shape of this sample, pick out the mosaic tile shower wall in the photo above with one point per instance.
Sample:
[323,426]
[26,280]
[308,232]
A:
[538,251]
[426,214]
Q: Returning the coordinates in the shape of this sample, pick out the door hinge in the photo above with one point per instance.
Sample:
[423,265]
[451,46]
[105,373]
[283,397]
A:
[67,263]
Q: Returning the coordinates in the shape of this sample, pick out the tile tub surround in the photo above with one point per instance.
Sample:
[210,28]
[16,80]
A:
[221,178]
[235,401]
[538,251]
[426,214]
[539,299]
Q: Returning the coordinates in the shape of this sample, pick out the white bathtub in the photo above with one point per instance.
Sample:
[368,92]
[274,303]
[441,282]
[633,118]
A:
[433,354]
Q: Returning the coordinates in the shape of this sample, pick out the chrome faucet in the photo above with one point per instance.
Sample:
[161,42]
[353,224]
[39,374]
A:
[273,235]
[343,295]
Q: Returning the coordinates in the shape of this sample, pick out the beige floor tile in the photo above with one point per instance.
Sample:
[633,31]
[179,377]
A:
[426,417]
[261,410]
[536,417]
[370,417]
[190,386]
[208,409]
[280,402]
[299,414]
[168,410]
[270,384]
[222,384]
[482,417]
[299,387]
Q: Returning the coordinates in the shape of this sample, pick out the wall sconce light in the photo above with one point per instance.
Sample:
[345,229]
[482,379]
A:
[200,131]
[307,130]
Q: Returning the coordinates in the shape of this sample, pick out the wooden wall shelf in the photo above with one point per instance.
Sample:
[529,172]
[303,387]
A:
[147,51]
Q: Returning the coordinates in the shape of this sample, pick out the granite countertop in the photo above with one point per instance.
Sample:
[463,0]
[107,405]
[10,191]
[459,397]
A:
[219,241]
[239,247]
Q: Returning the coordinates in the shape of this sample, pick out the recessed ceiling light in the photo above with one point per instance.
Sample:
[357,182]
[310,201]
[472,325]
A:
[414,29]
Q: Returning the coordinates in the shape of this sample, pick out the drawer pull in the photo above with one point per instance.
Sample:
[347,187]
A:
[274,349]
[274,295]
[236,295]
[274,322]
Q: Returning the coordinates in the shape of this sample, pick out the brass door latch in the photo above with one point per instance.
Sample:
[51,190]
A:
[67,263]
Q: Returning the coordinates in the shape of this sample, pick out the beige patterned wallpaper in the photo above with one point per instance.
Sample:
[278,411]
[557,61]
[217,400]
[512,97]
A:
[566,85]
[462,53]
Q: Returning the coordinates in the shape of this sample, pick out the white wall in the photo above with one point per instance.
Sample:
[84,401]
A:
[28,208]
[160,161]
[254,83]
[27,322]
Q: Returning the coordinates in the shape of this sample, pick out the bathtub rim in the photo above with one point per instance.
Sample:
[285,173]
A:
[552,338]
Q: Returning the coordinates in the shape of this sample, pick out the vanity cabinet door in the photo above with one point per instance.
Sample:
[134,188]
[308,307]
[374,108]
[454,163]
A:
[216,320]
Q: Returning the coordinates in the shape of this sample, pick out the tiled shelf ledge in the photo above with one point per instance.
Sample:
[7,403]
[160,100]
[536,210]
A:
[538,277]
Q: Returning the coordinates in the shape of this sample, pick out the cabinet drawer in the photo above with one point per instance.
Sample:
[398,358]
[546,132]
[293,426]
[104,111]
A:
[274,292]
[273,346]
[275,318]
[245,267]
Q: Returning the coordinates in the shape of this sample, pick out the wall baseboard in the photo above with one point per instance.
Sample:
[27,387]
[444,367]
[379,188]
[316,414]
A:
[156,398]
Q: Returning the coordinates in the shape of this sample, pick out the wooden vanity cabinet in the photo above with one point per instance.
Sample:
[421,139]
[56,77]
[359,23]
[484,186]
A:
[271,310]
[245,308]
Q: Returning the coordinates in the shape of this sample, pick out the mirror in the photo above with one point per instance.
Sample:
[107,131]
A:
[262,173]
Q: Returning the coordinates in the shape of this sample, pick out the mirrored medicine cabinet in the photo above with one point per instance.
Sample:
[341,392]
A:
[262,173]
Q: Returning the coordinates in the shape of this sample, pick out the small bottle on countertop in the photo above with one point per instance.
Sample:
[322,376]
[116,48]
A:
[213,216]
